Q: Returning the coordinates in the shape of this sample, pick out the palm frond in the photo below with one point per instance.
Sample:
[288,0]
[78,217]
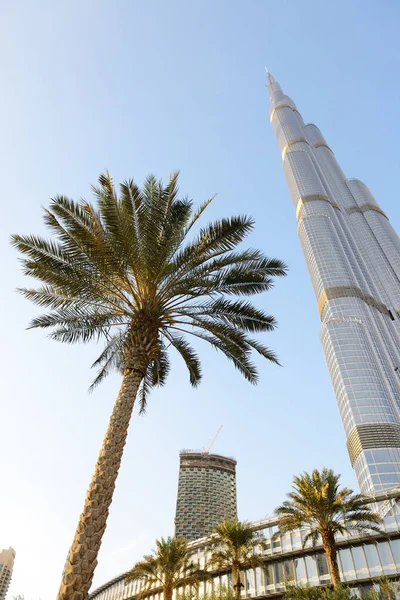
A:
[129,270]
[317,502]
[189,356]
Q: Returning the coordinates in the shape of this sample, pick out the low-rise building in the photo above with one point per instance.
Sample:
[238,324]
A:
[287,562]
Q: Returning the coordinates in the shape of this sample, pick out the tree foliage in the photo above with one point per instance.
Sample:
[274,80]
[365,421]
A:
[318,503]
[169,566]
[234,542]
[130,271]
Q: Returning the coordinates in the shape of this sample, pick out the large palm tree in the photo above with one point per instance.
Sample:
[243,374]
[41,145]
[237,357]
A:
[130,271]
[318,503]
[235,542]
[169,567]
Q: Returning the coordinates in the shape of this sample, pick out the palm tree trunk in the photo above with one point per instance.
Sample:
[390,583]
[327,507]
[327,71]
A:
[329,544]
[167,592]
[237,584]
[82,557]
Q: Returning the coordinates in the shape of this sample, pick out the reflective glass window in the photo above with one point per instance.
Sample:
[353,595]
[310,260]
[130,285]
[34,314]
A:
[286,545]
[250,582]
[279,575]
[372,559]
[395,545]
[386,557]
[322,567]
[391,524]
[300,570]
[276,545]
[202,588]
[347,564]
[259,584]
[288,569]
[311,566]
[269,576]
[267,547]
[208,587]
[359,562]
[296,540]
[303,537]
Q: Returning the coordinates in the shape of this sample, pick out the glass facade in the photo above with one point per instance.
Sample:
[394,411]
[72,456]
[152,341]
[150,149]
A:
[353,257]
[288,563]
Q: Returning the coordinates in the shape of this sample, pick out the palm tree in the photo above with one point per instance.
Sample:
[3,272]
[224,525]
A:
[127,272]
[238,541]
[317,503]
[169,566]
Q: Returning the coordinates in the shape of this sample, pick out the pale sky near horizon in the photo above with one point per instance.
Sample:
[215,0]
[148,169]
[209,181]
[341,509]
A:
[152,86]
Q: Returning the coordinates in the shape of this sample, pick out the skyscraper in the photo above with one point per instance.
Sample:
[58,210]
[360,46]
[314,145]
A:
[206,493]
[6,568]
[353,257]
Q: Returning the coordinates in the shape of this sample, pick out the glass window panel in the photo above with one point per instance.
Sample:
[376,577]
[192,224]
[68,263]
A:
[323,568]
[279,575]
[359,562]
[288,569]
[311,566]
[286,545]
[273,530]
[276,545]
[346,560]
[202,588]
[216,585]
[208,586]
[269,577]
[303,537]
[250,582]
[391,524]
[386,557]
[296,540]
[259,585]
[372,559]
[267,547]
[300,570]
[395,545]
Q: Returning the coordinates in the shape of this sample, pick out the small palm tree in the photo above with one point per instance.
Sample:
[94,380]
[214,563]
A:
[169,567]
[317,503]
[238,541]
[127,272]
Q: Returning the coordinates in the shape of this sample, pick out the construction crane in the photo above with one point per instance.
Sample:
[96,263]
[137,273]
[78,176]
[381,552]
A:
[212,443]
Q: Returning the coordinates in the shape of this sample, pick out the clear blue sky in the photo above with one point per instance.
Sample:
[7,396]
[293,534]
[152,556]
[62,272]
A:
[154,86]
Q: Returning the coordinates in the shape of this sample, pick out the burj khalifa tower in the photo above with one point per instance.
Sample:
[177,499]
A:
[353,257]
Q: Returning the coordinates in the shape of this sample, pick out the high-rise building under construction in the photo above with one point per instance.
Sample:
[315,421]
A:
[206,493]
[353,257]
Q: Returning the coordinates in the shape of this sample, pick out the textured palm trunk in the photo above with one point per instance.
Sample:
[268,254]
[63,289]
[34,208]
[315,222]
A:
[237,584]
[329,544]
[82,558]
[167,592]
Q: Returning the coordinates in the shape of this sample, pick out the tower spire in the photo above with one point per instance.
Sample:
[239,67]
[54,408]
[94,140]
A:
[274,89]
